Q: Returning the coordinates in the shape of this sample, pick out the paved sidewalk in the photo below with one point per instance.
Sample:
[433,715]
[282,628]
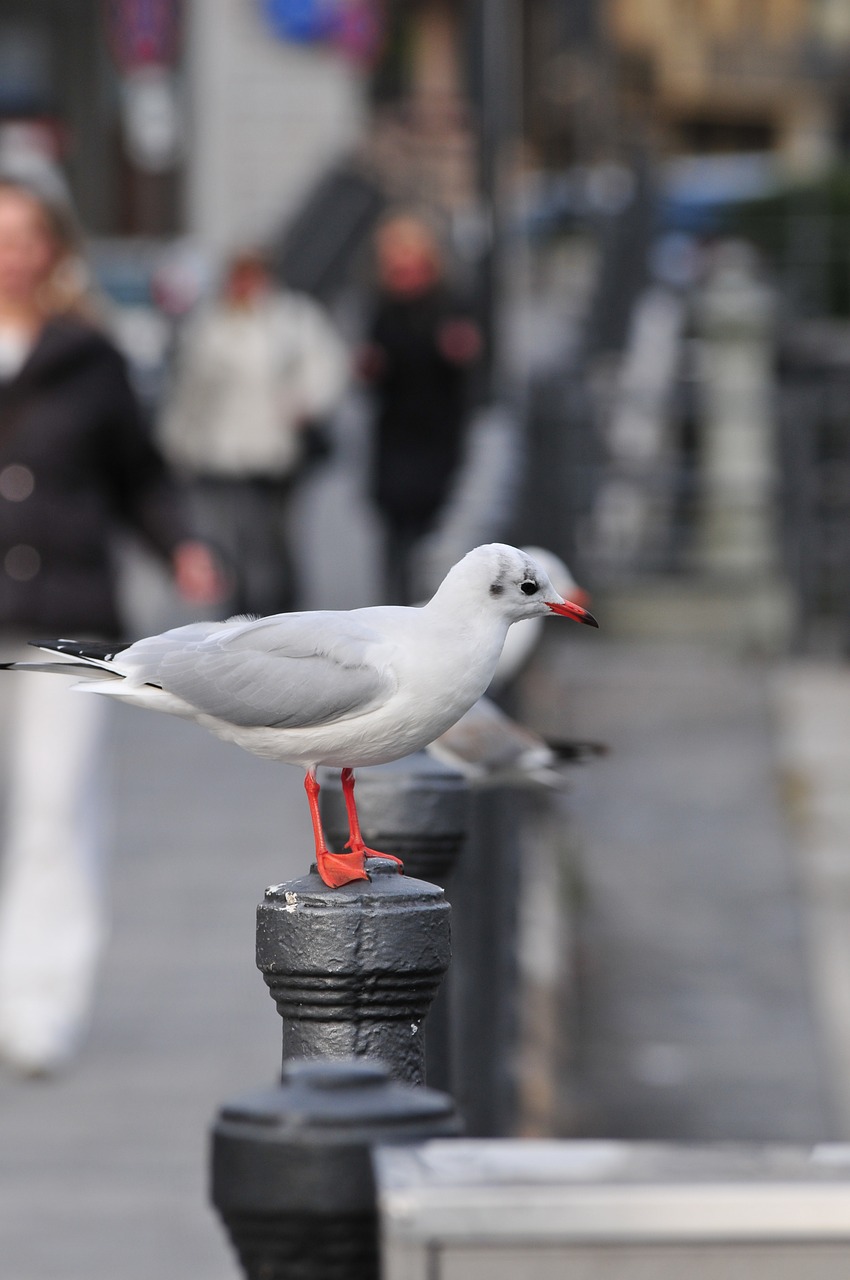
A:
[696,1011]
[812,701]
[103,1171]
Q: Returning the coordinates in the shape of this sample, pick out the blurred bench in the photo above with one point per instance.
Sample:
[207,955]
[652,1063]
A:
[598,1210]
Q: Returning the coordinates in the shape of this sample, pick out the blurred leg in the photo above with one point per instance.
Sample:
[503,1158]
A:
[247,521]
[213,517]
[400,542]
[51,890]
[265,566]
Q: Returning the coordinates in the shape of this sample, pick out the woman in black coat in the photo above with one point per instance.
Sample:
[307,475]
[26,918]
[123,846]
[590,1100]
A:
[75,463]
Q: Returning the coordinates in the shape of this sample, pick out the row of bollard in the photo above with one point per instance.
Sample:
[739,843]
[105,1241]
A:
[353,972]
[468,842]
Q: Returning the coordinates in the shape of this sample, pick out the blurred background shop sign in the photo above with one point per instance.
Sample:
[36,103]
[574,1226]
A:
[143,37]
[355,27]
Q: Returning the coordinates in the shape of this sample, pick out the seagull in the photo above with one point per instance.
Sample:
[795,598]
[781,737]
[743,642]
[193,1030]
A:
[523,638]
[331,687]
[490,749]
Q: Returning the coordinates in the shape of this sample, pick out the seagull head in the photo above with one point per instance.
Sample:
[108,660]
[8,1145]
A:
[510,583]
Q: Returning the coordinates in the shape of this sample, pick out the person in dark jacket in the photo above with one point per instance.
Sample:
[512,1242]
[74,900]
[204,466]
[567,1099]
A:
[76,462]
[420,358]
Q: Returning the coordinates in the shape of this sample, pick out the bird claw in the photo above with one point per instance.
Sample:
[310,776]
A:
[365,852]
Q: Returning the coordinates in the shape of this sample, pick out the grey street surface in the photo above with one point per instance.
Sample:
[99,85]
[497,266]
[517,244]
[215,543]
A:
[102,1171]
[695,1012]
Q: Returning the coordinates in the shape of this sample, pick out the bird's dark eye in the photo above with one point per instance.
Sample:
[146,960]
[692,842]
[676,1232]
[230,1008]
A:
[528,587]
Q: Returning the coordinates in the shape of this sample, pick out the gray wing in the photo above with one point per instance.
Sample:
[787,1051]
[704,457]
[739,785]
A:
[289,671]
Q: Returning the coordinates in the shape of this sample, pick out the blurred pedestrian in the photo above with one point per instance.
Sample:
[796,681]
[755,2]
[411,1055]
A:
[75,461]
[420,360]
[257,373]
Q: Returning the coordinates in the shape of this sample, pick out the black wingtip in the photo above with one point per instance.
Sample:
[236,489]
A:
[577,750]
[100,650]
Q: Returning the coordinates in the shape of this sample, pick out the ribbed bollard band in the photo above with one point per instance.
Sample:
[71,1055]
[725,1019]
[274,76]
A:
[323,998]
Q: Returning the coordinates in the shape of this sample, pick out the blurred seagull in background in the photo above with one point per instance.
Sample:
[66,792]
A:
[339,688]
[490,749]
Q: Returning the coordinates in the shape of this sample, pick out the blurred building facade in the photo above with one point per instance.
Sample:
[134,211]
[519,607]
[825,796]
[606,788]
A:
[689,77]
[173,116]
[215,119]
[719,75]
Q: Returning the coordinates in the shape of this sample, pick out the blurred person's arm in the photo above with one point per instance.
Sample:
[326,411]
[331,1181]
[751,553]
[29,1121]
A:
[459,340]
[198,575]
[370,362]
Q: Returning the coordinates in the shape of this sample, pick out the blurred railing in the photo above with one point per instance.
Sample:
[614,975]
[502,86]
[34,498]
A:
[814,419]
[663,457]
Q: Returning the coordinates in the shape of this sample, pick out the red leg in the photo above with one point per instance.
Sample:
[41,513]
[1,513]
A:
[335,868]
[355,840]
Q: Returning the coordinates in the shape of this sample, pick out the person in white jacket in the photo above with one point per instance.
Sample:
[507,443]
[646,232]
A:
[256,371]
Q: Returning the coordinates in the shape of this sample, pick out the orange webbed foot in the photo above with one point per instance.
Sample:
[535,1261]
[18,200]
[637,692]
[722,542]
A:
[337,869]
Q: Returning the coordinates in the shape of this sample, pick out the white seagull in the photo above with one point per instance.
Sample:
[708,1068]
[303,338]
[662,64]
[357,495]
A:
[340,688]
[489,747]
[524,638]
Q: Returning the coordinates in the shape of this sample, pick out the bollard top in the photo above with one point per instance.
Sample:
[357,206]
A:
[355,1073]
[304,1146]
[353,1100]
[384,883]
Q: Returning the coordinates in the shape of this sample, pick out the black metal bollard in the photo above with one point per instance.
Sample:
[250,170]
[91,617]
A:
[291,1168]
[419,810]
[414,808]
[353,971]
[426,813]
[485,896]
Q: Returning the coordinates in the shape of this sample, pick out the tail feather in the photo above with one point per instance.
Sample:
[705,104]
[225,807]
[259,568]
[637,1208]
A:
[84,650]
[64,669]
[94,656]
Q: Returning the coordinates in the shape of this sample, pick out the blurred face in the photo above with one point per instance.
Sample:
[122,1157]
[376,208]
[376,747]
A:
[408,257]
[28,249]
[246,282]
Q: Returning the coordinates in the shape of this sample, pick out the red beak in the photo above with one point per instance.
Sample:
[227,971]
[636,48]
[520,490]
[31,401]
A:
[575,611]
